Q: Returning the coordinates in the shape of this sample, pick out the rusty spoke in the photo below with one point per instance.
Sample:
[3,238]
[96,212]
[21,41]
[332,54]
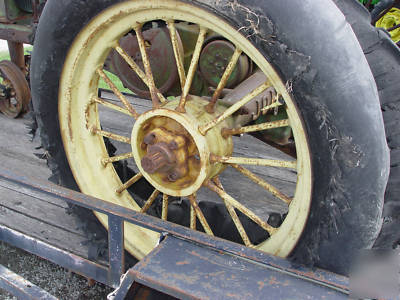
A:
[127,184]
[231,201]
[150,201]
[177,52]
[253,177]
[224,79]
[147,67]
[275,104]
[164,210]
[199,214]
[192,218]
[253,128]
[192,69]
[110,135]
[253,161]
[232,109]
[112,159]
[234,216]
[111,105]
[120,96]
[137,69]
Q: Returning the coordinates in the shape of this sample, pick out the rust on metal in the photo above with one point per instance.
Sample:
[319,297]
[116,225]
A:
[120,96]
[199,214]
[192,69]
[127,184]
[273,190]
[147,66]
[178,49]
[232,109]
[164,209]
[112,106]
[112,159]
[150,201]
[226,132]
[253,161]
[110,135]
[226,197]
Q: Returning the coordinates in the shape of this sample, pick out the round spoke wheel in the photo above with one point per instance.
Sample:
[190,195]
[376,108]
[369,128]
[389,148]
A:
[208,124]
[391,22]
[15,90]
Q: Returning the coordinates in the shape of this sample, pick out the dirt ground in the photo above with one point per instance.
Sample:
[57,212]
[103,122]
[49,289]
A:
[16,153]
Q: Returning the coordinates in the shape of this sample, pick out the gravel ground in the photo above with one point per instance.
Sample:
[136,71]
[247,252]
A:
[52,278]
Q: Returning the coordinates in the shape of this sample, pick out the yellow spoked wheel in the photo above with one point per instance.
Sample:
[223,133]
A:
[189,147]
[391,22]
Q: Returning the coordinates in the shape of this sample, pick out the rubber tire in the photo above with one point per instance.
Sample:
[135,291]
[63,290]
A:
[336,96]
[384,60]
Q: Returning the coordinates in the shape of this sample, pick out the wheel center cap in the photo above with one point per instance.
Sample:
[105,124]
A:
[171,153]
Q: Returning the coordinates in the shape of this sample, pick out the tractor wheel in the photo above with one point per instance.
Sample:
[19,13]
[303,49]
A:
[259,127]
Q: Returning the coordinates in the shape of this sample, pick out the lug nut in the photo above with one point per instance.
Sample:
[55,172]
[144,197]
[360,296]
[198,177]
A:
[173,145]
[149,139]
[173,176]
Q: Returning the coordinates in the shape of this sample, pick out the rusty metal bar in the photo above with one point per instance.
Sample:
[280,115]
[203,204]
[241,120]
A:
[177,52]
[20,287]
[110,135]
[229,199]
[137,69]
[224,79]
[199,214]
[112,159]
[46,190]
[115,249]
[192,69]
[16,50]
[120,96]
[193,218]
[253,128]
[272,105]
[253,161]
[232,109]
[253,177]
[129,183]
[147,66]
[164,209]
[112,106]
[150,201]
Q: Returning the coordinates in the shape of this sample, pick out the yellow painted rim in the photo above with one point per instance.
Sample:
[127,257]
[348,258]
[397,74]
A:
[79,83]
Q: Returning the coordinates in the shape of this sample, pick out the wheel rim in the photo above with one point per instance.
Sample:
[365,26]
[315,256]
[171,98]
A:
[91,165]
[390,21]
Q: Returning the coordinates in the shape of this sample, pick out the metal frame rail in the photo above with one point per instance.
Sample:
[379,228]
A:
[117,215]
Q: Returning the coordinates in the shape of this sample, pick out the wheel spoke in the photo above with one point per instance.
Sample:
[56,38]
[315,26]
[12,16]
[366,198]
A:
[234,216]
[129,183]
[147,67]
[120,96]
[112,106]
[253,128]
[230,200]
[224,79]
[150,201]
[164,211]
[254,161]
[192,69]
[275,104]
[199,214]
[177,52]
[192,218]
[110,135]
[137,70]
[232,109]
[112,159]
[273,190]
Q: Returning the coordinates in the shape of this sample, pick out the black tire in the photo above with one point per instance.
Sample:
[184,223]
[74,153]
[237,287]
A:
[384,59]
[341,112]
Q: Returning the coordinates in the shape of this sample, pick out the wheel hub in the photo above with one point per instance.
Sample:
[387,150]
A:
[170,151]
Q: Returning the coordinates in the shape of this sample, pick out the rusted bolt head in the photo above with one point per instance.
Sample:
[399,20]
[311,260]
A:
[173,176]
[149,139]
[173,145]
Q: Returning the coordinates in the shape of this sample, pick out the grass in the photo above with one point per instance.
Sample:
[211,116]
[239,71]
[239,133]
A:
[4,55]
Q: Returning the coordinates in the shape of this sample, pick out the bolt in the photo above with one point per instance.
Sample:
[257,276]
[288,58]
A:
[173,145]
[149,139]
[173,176]
[143,146]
